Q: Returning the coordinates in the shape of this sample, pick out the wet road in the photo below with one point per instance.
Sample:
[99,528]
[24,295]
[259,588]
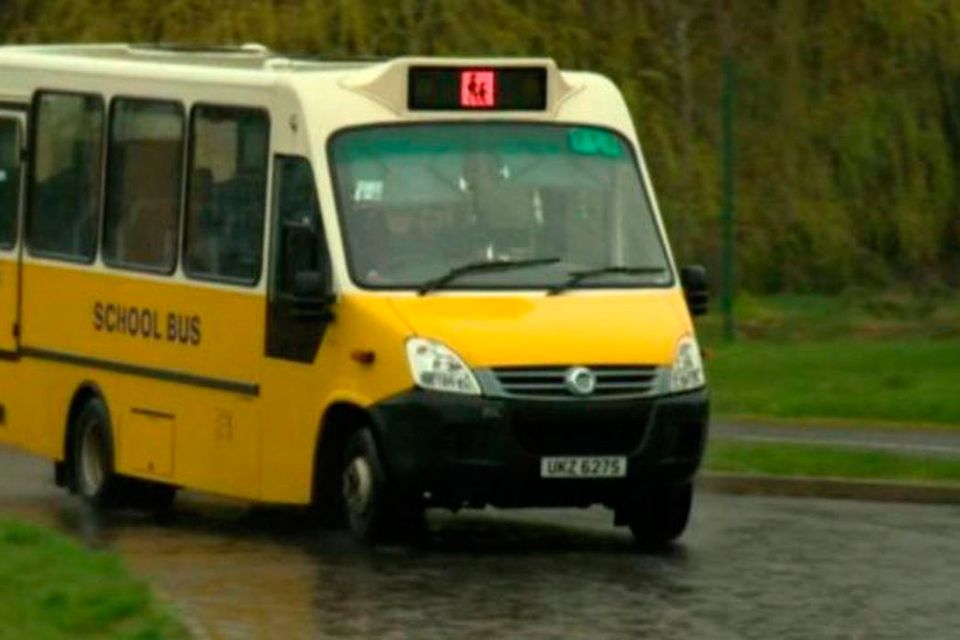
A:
[748,568]
[928,442]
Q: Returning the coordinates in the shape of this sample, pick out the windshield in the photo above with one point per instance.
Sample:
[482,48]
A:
[417,202]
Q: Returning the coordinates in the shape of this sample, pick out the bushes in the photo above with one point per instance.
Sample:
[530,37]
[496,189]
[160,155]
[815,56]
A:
[848,116]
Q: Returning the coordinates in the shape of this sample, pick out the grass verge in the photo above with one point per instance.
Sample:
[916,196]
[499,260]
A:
[826,461]
[904,381]
[53,589]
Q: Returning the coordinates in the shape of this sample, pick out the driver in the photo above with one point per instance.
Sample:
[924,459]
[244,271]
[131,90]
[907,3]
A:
[414,235]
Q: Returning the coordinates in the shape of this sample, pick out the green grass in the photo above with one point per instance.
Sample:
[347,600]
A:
[858,357]
[826,461]
[910,381]
[53,589]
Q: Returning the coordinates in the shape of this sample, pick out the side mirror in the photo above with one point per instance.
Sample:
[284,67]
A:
[310,285]
[311,294]
[695,289]
[307,278]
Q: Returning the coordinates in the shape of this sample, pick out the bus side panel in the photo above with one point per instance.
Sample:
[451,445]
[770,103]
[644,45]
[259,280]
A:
[8,302]
[196,438]
[8,371]
[291,418]
[11,405]
[178,364]
[43,391]
[296,396]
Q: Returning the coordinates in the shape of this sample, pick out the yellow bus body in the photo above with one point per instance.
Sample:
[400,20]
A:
[259,445]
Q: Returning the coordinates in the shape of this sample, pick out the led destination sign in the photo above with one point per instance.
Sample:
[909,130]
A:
[477,89]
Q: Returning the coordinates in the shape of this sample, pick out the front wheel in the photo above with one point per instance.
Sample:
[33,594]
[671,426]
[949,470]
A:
[373,513]
[659,515]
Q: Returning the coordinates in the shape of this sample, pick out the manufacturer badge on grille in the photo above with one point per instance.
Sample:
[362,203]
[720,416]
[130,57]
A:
[580,381]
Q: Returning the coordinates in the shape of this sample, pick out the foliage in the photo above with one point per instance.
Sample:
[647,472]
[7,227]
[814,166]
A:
[848,113]
[895,314]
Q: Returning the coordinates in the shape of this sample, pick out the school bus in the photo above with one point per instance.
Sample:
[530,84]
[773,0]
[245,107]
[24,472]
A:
[375,287]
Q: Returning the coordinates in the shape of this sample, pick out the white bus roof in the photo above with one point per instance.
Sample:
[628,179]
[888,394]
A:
[205,71]
[251,56]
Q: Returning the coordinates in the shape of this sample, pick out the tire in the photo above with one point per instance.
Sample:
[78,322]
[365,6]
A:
[660,514]
[372,511]
[93,477]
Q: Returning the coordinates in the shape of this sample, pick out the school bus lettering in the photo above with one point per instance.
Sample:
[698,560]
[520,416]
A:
[146,323]
[183,329]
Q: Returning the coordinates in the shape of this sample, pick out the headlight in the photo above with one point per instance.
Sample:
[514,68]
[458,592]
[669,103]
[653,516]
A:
[687,371]
[435,366]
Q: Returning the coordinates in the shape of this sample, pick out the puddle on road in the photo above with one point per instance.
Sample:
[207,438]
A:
[748,568]
[271,573]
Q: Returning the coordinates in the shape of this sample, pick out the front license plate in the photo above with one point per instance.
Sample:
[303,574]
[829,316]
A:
[583,467]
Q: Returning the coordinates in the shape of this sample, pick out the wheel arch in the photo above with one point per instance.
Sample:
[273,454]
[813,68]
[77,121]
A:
[340,420]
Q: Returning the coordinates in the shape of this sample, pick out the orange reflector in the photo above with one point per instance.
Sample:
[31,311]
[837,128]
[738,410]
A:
[363,357]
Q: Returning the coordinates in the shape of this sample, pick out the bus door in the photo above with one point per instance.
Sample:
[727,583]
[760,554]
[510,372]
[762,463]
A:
[297,319]
[11,189]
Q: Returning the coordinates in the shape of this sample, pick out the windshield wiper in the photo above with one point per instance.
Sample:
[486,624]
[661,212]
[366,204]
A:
[480,267]
[577,277]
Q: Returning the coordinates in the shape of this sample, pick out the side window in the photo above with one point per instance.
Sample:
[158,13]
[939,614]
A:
[144,169]
[298,242]
[66,175]
[9,181]
[227,193]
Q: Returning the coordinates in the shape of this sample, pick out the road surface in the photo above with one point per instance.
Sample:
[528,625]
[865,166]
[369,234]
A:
[925,442]
[749,567]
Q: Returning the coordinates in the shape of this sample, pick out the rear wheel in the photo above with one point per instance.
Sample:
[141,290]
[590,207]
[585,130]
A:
[93,478]
[659,515]
[372,510]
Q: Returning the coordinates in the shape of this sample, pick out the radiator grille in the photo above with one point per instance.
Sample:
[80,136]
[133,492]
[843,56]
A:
[550,382]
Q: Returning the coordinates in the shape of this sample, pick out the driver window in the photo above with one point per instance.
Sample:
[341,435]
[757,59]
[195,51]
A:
[298,241]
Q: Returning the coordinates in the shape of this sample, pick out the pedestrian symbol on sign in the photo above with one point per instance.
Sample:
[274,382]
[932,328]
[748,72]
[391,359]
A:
[477,89]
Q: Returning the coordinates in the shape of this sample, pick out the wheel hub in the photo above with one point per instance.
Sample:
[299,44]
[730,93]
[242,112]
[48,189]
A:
[91,461]
[358,485]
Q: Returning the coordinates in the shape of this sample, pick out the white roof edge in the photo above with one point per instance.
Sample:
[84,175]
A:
[248,65]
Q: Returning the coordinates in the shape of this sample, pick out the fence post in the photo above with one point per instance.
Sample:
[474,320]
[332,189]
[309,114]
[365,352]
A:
[728,258]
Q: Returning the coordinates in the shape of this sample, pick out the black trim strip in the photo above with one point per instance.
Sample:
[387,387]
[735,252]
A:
[151,413]
[10,356]
[21,107]
[167,375]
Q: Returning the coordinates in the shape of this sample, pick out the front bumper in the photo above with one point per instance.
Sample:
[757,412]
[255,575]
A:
[465,450]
